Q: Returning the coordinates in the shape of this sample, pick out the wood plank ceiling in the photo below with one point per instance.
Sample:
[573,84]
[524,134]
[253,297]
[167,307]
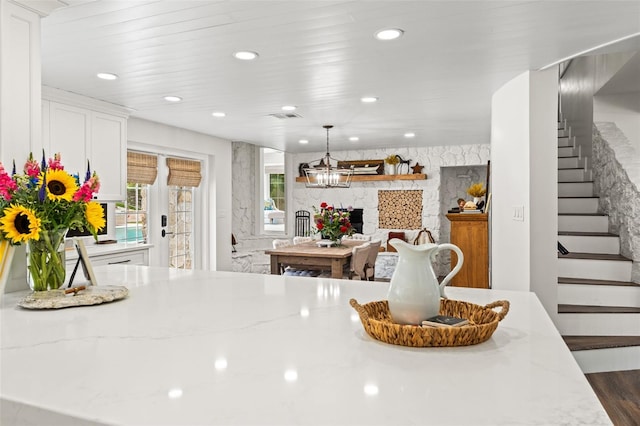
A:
[321,56]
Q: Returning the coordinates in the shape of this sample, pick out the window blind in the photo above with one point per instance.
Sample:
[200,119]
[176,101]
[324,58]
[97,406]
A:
[183,172]
[141,168]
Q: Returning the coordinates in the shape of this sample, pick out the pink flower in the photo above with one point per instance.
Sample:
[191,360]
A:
[86,191]
[55,163]
[7,185]
[32,167]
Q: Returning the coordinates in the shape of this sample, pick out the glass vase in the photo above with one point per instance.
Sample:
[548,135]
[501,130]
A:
[46,261]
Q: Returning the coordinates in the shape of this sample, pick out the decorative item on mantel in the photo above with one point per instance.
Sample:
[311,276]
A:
[39,207]
[400,168]
[332,224]
[392,161]
[477,191]
[324,175]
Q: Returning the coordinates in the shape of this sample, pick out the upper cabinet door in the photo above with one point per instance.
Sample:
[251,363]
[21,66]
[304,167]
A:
[83,129]
[69,131]
[109,154]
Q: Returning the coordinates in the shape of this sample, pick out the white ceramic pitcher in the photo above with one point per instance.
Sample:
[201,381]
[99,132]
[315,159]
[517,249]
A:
[414,293]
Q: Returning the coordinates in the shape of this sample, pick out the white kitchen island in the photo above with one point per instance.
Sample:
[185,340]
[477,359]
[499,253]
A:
[222,348]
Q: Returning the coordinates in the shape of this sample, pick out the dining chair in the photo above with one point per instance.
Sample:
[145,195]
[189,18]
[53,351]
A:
[300,240]
[281,243]
[372,255]
[358,264]
[303,223]
[358,237]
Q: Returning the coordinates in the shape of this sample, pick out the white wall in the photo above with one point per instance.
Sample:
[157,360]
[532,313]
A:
[543,186]
[216,181]
[510,180]
[622,109]
[584,77]
[524,175]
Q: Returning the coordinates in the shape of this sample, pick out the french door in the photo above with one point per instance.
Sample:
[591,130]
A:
[175,211]
[180,224]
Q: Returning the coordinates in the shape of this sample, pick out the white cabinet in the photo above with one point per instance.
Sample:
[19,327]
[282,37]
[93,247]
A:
[108,255]
[84,129]
[137,257]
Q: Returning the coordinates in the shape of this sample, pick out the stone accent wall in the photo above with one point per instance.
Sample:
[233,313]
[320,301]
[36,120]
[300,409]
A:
[250,256]
[454,182]
[365,194]
[616,169]
[250,248]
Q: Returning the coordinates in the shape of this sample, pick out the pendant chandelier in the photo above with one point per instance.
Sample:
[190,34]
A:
[324,175]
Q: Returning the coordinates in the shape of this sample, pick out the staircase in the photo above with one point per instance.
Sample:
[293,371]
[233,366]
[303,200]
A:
[598,305]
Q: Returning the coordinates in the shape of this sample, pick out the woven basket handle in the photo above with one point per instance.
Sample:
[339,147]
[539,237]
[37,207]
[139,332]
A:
[364,316]
[504,304]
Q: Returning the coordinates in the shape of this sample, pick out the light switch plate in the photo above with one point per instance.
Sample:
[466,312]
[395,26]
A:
[518,213]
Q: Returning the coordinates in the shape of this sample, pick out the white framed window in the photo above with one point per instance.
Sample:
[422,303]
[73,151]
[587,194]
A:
[273,191]
[132,215]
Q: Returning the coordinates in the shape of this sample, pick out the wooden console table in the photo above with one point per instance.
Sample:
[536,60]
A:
[470,232]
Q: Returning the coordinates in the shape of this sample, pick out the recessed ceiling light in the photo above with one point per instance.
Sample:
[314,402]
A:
[369,99]
[245,55]
[219,114]
[389,34]
[107,76]
[354,139]
[303,141]
[172,98]
[409,135]
[289,108]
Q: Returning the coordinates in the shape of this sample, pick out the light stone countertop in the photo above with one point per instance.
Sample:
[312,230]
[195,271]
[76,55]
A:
[224,348]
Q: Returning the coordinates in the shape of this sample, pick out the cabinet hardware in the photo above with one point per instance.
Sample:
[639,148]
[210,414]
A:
[121,261]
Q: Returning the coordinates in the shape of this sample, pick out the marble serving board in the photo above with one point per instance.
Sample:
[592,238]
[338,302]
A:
[56,299]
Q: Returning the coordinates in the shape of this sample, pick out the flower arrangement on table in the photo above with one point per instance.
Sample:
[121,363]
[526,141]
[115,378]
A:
[39,206]
[332,223]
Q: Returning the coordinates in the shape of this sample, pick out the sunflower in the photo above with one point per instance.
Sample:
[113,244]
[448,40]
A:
[95,215]
[60,185]
[20,224]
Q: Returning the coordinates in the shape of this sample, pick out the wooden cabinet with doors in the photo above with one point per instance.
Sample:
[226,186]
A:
[470,232]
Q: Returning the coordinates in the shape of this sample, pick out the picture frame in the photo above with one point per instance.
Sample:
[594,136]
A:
[83,259]
[367,167]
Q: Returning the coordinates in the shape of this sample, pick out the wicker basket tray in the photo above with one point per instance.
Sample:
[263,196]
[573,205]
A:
[483,321]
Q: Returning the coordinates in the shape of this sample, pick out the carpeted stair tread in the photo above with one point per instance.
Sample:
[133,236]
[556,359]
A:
[583,343]
[581,214]
[587,309]
[594,256]
[587,281]
[586,234]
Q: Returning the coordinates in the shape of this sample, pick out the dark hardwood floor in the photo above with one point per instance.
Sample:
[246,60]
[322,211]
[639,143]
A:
[619,393]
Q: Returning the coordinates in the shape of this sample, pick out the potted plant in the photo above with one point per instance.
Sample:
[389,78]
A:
[392,161]
[477,191]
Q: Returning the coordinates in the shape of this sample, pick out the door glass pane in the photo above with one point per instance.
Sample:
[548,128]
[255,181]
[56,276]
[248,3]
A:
[131,215]
[180,230]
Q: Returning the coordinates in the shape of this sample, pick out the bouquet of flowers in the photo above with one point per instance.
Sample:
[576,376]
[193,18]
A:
[476,190]
[331,223]
[39,207]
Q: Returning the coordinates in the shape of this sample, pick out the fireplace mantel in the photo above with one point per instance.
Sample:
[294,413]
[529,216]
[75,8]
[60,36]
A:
[379,178]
